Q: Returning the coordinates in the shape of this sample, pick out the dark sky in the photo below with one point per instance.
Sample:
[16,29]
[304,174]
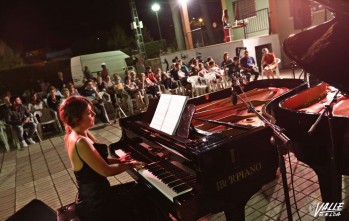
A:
[33,24]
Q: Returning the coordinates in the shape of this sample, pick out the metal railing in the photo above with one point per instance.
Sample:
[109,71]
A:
[258,23]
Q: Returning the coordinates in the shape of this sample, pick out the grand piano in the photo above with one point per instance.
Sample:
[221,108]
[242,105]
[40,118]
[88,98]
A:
[218,158]
[325,148]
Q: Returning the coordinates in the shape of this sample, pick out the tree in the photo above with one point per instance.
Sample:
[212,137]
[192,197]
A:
[8,58]
[118,38]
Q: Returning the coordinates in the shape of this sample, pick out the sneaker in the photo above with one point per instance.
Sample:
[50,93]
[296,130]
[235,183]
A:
[31,141]
[24,144]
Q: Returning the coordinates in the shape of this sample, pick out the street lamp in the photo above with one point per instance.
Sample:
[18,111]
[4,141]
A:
[156,7]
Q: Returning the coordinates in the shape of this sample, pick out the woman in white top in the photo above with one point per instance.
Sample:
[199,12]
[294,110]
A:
[35,105]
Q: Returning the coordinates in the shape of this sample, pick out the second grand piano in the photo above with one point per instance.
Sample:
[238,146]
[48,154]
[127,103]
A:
[207,166]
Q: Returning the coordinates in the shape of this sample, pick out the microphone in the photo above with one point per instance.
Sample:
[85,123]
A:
[234,97]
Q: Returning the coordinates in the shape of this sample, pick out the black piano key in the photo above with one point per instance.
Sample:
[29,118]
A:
[175,183]
[181,188]
[169,179]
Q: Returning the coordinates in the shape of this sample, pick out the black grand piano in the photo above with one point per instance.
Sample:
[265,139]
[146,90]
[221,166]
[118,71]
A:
[206,167]
[325,148]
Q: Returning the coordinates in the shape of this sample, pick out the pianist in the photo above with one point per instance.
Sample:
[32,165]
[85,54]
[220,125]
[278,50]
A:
[96,199]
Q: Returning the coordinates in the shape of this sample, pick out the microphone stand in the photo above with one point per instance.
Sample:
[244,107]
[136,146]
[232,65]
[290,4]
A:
[281,141]
[335,178]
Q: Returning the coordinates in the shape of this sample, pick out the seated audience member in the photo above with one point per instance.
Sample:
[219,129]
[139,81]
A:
[157,74]
[202,70]
[35,104]
[133,90]
[91,93]
[97,199]
[53,100]
[195,67]
[127,75]
[168,82]
[249,67]
[18,117]
[184,68]
[214,69]
[101,85]
[66,94]
[72,89]
[134,77]
[149,74]
[149,86]
[6,103]
[268,63]
[178,75]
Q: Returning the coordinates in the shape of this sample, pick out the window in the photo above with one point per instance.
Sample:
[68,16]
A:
[244,9]
[314,6]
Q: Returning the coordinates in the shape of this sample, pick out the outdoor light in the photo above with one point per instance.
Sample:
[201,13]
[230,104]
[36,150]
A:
[183,2]
[155,7]
[200,20]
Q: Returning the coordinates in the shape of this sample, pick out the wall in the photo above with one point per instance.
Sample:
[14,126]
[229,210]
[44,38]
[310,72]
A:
[282,22]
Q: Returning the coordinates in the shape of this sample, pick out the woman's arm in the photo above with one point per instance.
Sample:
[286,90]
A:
[91,156]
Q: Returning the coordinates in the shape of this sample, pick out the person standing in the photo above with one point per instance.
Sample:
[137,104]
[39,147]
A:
[226,25]
[18,117]
[104,73]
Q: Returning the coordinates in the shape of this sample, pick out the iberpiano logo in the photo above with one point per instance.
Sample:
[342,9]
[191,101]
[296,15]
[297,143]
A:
[317,209]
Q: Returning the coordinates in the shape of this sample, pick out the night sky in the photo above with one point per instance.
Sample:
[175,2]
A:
[55,24]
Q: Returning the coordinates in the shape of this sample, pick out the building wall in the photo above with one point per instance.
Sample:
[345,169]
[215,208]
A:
[282,22]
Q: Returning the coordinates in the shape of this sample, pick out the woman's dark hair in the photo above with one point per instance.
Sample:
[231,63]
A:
[72,109]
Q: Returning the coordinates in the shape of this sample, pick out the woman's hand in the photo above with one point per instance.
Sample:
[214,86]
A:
[137,165]
[125,159]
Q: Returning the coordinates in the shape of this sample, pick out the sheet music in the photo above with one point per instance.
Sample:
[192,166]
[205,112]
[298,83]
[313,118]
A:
[168,113]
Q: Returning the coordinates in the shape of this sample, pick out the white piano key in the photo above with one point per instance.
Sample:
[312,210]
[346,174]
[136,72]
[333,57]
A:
[158,184]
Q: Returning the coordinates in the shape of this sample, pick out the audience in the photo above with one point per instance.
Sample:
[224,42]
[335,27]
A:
[18,117]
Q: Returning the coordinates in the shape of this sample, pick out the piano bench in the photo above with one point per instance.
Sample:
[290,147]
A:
[67,213]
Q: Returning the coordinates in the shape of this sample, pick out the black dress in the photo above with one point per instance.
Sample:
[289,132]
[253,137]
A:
[97,200]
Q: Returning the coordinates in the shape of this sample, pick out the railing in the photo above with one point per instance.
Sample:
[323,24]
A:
[258,23]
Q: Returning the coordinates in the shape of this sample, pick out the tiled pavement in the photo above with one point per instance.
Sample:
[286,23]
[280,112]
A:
[42,171]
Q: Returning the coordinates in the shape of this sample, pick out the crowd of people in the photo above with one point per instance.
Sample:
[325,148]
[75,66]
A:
[16,110]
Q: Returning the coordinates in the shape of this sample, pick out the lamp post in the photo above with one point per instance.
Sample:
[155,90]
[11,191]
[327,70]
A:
[185,22]
[156,7]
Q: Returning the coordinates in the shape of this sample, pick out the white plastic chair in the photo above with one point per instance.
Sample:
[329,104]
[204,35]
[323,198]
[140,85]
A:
[3,135]
[198,84]
[48,116]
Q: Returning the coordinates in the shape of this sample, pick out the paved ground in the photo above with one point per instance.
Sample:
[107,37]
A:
[42,171]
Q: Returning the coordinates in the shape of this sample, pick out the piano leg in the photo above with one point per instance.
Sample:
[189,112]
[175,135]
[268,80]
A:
[236,212]
[326,187]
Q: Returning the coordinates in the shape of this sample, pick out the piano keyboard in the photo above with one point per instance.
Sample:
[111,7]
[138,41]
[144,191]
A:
[164,176]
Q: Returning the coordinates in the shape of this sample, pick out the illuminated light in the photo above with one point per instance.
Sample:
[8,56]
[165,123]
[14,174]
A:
[155,7]
[201,20]
[183,2]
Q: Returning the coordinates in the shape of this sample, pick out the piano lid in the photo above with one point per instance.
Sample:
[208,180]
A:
[323,50]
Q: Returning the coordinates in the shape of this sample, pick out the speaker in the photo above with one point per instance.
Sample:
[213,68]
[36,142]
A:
[301,14]
[35,210]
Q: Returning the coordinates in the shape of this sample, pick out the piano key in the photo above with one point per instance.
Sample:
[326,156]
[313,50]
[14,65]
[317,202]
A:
[120,153]
[181,188]
[161,186]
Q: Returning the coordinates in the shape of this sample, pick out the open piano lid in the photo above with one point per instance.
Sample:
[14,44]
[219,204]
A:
[323,50]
